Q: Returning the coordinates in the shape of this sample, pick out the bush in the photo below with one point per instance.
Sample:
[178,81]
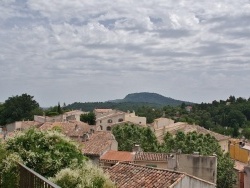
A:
[83,176]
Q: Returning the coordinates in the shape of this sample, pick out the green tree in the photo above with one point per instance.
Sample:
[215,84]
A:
[88,118]
[205,145]
[46,152]
[18,108]
[85,176]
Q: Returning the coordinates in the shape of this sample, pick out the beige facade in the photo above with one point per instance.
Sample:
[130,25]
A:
[247,176]
[162,122]
[105,122]
[192,182]
[204,167]
[131,117]
[67,116]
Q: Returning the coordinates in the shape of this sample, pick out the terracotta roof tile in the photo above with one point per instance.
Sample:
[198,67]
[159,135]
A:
[118,156]
[135,176]
[98,143]
[71,128]
[184,127]
[103,110]
[150,156]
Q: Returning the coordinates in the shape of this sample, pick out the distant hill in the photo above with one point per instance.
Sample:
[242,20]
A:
[153,98]
[132,101]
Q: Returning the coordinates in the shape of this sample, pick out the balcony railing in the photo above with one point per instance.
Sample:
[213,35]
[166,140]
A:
[31,179]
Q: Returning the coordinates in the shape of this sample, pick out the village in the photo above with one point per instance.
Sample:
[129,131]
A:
[138,168]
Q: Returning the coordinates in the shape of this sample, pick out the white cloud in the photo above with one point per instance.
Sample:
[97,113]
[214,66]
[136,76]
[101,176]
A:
[64,44]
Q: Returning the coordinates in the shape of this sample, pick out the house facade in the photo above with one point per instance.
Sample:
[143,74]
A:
[129,175]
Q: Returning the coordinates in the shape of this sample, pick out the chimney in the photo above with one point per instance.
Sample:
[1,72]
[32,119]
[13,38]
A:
[137,148]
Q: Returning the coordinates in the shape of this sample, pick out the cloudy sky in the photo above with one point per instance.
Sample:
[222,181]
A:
[81,51]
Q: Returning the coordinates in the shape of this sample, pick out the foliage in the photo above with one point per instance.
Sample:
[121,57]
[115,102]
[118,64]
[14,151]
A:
[88,118]
[128,135]
[84,176]
[205,145]
[9,171]
[18,108]
[46,152]
[54,110]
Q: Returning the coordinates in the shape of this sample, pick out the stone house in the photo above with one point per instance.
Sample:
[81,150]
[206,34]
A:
[127,175]
[97,144]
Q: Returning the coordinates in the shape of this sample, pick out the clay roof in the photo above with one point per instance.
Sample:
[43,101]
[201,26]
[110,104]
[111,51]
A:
[110,115]
[134,176]
[103,110]
[98,143]
[186,128]
[71,128]
[28,124]
[118,156]
[239,166]
[150,156]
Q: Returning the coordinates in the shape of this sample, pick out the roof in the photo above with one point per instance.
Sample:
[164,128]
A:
[150,156]
[71,128]
[103,110]
[239,166]
[118,156]
[111,115]
[134,176]
[184,127]
[98,143]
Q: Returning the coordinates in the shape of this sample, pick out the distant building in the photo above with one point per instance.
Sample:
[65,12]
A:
[106,118]
[98,143]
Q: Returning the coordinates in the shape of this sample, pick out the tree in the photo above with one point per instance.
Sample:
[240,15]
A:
[88,118]
[46,152]
[205,145]
[85,176]
[128,135]
[18,108]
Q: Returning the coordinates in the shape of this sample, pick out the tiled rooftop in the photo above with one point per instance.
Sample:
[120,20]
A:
[71,128]
[103,110]
[110,115]
[118,156]
[150,156]
[98,142]
[136,176]
[184,127]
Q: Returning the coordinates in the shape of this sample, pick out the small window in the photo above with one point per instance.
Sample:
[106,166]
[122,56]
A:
[110,121]
[100,121]
[120,120]
[108,128]
[100,127]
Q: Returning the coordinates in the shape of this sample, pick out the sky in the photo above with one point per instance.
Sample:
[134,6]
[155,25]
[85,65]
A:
[85,51]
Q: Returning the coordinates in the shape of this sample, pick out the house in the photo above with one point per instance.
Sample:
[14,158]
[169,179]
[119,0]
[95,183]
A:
[73,129]
[111,157]
[21,125]
[239,150]
[157,160]
[106,118]
[186,128]
[247,176]
[97,144]
[127,175]
[203,167]
[239,171]
[73,115]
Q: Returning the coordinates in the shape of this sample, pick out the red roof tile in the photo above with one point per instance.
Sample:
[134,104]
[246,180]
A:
[71,128]
[136,176]
[150,156]
[98,143]
[118,156]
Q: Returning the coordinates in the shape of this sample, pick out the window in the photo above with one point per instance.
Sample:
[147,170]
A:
[110,121]
[108,128]
[100,127]
[120,120]
[100,121]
